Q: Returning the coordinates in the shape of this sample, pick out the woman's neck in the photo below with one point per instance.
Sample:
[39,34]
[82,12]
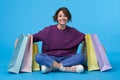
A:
[61,27]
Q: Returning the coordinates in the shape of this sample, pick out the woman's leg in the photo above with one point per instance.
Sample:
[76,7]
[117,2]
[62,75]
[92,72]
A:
[73,60]
[70,64]
[47,63]
[73,63]
[50,62]
[44,59]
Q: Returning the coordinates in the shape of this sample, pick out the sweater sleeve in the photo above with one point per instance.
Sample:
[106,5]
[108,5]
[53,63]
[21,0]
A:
[79,35]
[83,36]
[41,35]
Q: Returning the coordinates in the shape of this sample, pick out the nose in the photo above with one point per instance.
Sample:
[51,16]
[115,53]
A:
[63,17]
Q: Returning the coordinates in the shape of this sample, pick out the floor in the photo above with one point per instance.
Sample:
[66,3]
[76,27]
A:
[92,75]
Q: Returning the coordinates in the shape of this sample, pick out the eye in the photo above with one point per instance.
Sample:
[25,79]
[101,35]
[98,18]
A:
[59,15]
[65,16]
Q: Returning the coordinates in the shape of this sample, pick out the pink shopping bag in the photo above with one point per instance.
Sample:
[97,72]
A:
[100,53]
[27,59]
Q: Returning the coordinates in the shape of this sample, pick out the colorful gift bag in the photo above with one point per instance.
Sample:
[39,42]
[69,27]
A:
[27,59]
[35,65]
[100,53]
[91,55]
[18,54]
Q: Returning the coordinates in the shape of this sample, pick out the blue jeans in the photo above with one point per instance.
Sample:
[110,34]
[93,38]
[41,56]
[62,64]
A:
[48,60]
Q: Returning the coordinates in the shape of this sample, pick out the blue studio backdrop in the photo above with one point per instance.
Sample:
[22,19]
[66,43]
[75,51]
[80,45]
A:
[17,17]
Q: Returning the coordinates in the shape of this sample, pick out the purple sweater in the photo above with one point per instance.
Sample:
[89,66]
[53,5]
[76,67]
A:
[59,42]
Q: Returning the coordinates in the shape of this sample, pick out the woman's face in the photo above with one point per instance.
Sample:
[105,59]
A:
[62,18]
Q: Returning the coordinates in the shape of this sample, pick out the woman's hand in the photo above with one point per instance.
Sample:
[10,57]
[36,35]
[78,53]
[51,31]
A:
[16,41]
[15,44]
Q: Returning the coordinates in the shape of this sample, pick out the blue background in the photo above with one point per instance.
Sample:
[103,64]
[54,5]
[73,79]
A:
[101,17]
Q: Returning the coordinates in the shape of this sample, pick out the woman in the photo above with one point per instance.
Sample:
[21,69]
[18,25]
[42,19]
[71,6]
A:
[60,43]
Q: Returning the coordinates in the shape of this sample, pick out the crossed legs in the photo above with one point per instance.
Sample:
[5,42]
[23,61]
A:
[60,63]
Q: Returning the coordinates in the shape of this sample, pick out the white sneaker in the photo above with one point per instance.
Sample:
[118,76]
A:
[76,68]
[79,68]
[45,69]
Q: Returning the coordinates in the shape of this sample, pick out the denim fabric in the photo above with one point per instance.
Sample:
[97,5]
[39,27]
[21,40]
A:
[48,60]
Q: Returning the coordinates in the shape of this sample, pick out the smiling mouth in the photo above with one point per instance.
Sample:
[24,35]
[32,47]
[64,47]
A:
[62,20]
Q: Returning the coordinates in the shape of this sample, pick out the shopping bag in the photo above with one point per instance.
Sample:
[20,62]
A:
[35,65]
[26,65]
[16,61]
[91,55]
[100,53]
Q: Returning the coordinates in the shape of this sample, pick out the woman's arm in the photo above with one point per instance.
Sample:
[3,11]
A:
[83,50]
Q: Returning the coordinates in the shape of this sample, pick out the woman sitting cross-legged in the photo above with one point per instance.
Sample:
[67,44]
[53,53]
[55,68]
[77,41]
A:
[59,45]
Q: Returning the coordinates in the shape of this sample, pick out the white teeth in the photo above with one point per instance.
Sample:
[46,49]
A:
[63,21]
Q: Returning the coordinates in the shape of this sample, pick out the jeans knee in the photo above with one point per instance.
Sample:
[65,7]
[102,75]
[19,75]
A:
[38,58]
[82,58]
